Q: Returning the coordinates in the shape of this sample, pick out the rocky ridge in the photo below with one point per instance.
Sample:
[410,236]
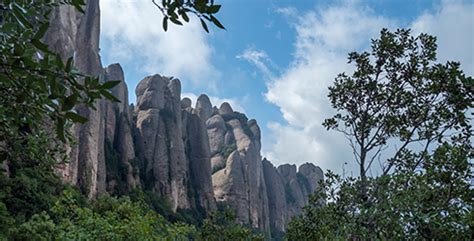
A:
[197,158]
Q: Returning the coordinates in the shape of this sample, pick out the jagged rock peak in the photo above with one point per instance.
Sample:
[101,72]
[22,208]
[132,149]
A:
[175,87]
[186,103]
[151,91]
[225,109]
[115,72]
[203,107]
[287,171]
[313,174]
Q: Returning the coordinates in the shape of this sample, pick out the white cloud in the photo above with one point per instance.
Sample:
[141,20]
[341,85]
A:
[216,101]
[323,39]
[287,11]
[134,34]
[453,24]
[260,59]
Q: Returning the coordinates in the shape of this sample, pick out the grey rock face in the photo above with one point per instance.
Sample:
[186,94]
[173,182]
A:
[240,182]
[172,145]
[288,192]
[203,107]
[198,156]
[159,139]
[216,130]
[186,103]
[122,172]
[225,109]
[73,34]
[277,203]
[313,175]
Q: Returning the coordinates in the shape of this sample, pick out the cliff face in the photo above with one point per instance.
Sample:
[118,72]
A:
[289,190]
[163,164]
[237,167]
[196,158]
[172,146]
[77,35]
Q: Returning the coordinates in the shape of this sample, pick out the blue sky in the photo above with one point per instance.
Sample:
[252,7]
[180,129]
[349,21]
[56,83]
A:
[276,58]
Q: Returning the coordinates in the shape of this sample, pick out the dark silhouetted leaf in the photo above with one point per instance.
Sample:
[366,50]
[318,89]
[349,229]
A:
[213,9]
[204,25]
[216,22]
[110,84]
[165,24]
[109,95]
[76,117]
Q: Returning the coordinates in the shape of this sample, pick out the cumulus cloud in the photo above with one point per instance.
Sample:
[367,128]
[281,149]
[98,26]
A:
[260,59]
[453,24]
[323,39]
[133,33]
[216,101]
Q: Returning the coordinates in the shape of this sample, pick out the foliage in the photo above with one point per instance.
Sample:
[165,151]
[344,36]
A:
[163,207]
[107,218]
[155,202]
[223,226]
[224,152]
[73,217]
[398,95]
[36,84]
[31,184]
[38,93]
[174,10]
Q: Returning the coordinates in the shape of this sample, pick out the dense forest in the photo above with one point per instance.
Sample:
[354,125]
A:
[397,95]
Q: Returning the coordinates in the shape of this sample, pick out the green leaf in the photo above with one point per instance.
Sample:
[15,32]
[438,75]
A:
[204,25]
[68,65]
[69,102]
[60,129]
[76,117]
[165,23]
[176,21]
[19,12]
[110,84]
[185,16]
[40,45]
[213,9]
[200,5]
[42,30]
[78,4]
[109,95]
[216,22]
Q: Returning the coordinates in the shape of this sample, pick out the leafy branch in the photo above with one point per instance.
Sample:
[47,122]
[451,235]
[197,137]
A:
[177,10]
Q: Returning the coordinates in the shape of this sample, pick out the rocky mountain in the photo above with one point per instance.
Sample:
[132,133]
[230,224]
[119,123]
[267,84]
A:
[198,158]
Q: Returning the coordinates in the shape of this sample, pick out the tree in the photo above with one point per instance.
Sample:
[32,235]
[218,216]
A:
[173,10]
[398,96]
[38,93]
[222,226]
[106,218]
